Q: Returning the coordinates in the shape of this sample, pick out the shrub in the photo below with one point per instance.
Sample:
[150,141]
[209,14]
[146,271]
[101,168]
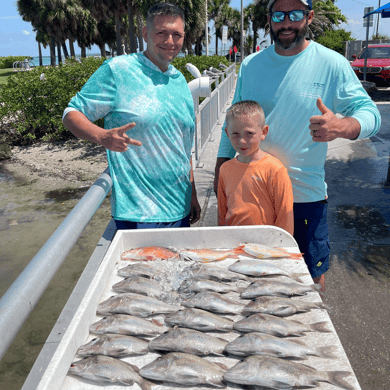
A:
[31,109]
[7,62]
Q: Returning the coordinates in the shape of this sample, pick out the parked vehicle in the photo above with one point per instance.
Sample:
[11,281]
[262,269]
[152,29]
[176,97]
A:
[378,64]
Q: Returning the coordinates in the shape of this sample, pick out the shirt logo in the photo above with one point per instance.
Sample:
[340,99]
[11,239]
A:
[313,90]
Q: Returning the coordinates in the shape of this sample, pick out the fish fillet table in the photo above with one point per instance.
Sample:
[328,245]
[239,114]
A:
[55,377]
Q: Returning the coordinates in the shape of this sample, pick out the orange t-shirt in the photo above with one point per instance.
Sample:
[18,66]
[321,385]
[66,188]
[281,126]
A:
[256,193]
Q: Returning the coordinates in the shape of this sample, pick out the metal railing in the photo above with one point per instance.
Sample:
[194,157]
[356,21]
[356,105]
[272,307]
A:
[23,295]
[209,111]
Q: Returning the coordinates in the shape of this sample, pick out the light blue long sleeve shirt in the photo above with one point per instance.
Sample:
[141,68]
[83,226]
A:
[151,183]
[287,87]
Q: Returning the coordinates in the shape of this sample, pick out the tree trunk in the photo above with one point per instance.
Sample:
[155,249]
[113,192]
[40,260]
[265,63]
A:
[83,51]
[59,52]
[65,50]
[52,51]
[102,48]
[216,44]
[119,49]
[130,15]
[40,54]
[140,25]
[71,48]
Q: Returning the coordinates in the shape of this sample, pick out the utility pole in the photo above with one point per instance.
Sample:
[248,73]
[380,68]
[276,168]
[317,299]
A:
[207,32]
[377,20]
[242,32]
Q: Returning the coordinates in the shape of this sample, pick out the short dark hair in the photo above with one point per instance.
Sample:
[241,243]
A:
[245,107]
[163,9]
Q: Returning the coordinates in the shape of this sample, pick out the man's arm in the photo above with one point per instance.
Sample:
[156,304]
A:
[115,139]
[220,161]
[195,206]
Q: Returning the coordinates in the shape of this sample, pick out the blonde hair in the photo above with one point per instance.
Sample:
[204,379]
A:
[245,107]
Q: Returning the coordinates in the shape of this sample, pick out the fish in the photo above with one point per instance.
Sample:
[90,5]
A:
[206,285]
[144,269]
[278,326]
[266,252]
[260,268]
[139,285]
[149,253]
[189,341]
[135,305]
[282,288]
[184,369]
[103,369]
[214,302]
[282,307]
[201,271]
[267,345]
[200,320]
[115,345]
[275,373]
[127,325]
[210,255]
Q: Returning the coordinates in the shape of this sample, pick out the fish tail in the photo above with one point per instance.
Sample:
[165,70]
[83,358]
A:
[322,305]
[320,327]
[296,256]
[336,378]
[327,352]
[317,287]
[144,384]
[297,277]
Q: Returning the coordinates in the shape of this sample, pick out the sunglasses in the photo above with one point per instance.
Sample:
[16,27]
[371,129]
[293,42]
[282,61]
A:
[294,16]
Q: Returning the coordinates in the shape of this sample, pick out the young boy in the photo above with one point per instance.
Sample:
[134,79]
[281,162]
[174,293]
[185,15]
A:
[254,188]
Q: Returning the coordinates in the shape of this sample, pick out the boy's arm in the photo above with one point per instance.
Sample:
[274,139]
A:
[284,201]
[222,204]
[220,161]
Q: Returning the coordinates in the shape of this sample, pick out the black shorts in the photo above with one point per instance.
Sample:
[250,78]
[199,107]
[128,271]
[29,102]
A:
[311,233]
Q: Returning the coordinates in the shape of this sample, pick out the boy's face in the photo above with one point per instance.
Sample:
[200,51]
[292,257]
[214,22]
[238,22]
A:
[245,133]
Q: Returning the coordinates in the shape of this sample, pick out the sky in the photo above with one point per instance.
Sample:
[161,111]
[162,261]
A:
[17,37]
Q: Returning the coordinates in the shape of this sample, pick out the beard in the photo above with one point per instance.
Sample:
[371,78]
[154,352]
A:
[287,45]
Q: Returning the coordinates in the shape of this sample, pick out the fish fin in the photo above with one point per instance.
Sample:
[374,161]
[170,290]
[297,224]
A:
[221,365]
[327,352]
[320,327]
[336,378]
[145,385]
[296,277]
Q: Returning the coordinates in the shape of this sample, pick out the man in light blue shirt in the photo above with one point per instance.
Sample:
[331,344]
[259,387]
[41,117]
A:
[300,85]
[149,125]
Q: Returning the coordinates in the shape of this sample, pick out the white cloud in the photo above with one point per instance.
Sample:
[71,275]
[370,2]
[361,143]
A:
[10,17]
[353,22]
[25,32]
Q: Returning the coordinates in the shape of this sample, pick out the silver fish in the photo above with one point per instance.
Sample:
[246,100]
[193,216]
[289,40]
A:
[214,302]
[206,285]
[139,285]
[138,269]
[260,268]
[201,271]
[189,341]
[274,373]
[115,345]
[127,325]
[103,369]
[184,369]
[200,320]
[282,288]
[134,304]
[282,307]
[267,345]
[278,326]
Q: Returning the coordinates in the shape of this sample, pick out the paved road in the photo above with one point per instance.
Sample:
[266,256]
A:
[358,282]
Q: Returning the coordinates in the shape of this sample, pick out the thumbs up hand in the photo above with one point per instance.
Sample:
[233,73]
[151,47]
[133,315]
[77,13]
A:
[117,140]
[324,127]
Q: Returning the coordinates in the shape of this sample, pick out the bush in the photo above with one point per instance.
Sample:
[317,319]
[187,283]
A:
[7,62]
[31,109]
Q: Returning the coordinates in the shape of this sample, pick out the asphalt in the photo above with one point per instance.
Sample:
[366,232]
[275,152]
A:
[358,281]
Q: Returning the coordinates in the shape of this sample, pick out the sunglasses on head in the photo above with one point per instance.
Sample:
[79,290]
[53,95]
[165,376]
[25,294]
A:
[294,16]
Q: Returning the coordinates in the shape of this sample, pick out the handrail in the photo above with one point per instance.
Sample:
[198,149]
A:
[23,295]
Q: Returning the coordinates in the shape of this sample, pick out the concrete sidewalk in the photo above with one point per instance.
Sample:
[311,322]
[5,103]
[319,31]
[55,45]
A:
[358,282]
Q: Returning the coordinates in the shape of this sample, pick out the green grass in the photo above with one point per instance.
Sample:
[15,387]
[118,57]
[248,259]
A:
[4,74]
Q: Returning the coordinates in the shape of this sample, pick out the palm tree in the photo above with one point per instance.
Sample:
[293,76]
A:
[257,13]
[43,39]
[214,9]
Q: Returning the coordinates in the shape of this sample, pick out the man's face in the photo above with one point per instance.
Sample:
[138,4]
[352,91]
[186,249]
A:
[289,37]
[164,40]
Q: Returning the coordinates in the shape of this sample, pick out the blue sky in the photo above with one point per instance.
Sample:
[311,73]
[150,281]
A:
[17,37]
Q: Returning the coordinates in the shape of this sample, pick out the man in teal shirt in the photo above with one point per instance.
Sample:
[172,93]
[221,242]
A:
[300,85]
[149,125]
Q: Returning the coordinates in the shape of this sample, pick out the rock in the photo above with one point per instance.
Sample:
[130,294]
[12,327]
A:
[369,87]
[5,151]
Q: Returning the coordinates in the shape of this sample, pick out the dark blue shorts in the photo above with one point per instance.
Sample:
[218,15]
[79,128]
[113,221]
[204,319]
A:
[122,225]
[311,232]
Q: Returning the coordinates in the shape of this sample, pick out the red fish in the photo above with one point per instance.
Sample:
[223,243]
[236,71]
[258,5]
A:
[211,255]
[149,253]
